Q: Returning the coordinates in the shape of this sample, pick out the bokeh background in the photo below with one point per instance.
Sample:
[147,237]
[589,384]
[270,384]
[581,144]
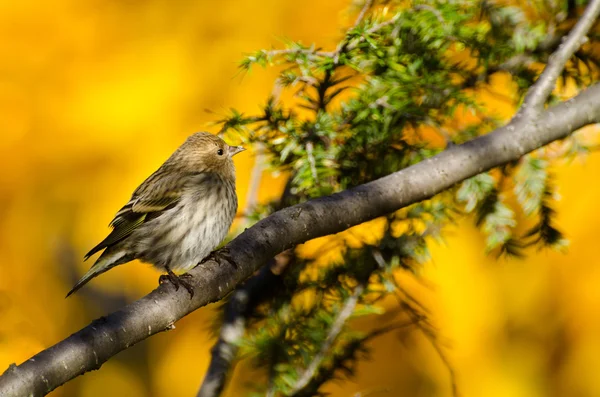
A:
[95,94]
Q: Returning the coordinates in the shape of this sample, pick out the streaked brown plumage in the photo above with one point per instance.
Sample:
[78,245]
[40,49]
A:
[177,216]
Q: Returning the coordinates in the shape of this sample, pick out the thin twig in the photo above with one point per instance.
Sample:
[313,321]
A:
[311,53]
[346,353]
[518,61]
[439,17]
[354,44]
[344,43]
[314,54]
[540,91]
[234,325]
[242,302]
[255,178]
[334,331]
[312,162]
[408,295]
[373,29]
[432,337]
[368,4]
[418,318]
[434,11]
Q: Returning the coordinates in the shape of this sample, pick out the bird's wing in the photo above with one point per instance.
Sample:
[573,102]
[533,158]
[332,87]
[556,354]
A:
[160,192]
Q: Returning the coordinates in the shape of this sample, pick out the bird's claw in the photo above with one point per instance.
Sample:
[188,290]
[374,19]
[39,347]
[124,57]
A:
[222,255]
[178,281]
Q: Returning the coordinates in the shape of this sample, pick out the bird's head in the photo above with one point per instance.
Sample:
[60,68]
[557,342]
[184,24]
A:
[205,152]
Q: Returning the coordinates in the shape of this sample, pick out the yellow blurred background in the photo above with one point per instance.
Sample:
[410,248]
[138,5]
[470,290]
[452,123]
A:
[94,95]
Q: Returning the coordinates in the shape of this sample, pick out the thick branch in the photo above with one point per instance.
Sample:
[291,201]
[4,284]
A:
[537,95]
[90,347]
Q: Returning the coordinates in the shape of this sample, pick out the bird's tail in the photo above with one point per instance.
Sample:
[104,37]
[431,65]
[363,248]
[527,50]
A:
[106,261]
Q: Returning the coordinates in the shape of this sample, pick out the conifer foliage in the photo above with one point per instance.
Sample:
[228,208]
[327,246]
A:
[404,83]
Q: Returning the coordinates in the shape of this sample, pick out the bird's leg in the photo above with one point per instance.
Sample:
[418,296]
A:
[177,281]
[221,255]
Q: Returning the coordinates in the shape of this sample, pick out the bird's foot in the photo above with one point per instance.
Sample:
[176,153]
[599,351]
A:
[222,255]
[178,281]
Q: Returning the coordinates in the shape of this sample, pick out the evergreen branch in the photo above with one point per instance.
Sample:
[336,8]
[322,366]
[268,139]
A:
[344,44]
[540,91]
[311,53]
[243,301]
[516,62]
[341,318]
[212,280]
[347,353]
[438,15]
[374,29]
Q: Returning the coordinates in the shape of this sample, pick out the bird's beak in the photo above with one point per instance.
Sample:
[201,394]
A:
[233,150]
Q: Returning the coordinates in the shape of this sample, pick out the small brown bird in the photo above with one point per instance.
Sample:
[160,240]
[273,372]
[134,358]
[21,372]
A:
[177,216]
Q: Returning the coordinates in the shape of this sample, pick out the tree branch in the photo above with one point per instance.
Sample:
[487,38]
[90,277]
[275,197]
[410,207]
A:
[234,325]
[242,303]
[255,178]
[340,357]
[343,45]
[341,318]
[538,94]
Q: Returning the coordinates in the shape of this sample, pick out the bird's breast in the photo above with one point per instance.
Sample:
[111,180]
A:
[191,230]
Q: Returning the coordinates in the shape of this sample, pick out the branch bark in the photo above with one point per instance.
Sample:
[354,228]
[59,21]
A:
[90,347]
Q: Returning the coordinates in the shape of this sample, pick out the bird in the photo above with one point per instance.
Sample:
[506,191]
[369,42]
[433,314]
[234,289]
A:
[177,216]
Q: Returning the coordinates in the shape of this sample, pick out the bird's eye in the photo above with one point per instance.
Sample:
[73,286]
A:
[220,152]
